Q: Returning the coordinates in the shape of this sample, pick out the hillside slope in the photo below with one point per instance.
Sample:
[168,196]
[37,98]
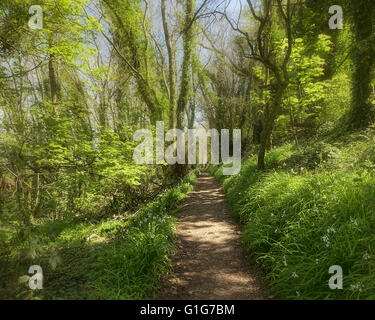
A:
[312,209]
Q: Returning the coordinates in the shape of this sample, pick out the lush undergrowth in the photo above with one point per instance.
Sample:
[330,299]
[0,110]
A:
[120,258]
[313,209]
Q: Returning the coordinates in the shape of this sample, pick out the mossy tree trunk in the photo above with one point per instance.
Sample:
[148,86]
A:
[363,56]
[185,84]
[271,112]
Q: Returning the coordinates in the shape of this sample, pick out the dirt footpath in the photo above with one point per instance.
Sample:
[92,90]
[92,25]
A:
[210,263]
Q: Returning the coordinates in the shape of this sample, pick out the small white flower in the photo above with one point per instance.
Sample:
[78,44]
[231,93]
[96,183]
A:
[357,286]
[317,261]
[366,256]
[331,230]
[354,221]
[285,263]
[297,293]
[294,275]
[326,240]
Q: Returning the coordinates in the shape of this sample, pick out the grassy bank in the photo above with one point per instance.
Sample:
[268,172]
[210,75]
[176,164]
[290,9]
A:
[314,208]
[120,258]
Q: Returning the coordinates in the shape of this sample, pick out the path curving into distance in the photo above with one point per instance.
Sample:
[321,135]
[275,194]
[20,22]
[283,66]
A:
[210,263]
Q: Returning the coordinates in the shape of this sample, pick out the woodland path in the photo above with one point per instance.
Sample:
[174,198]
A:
[210,263]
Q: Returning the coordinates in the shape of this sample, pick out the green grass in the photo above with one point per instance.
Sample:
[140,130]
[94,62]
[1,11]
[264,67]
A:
[125,259]
[315,208]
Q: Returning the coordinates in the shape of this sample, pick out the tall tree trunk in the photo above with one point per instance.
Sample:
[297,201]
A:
[171,67]
[363,63]
[270,115]
[185,85]
[53,78]
[192,105]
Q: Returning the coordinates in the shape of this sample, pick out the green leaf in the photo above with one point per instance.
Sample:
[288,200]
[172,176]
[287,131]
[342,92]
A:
[23,279]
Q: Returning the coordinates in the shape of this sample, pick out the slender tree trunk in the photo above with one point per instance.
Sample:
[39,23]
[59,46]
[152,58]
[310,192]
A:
[36,193]
[52,78]
[293,121]
[185,86]
[171,68]
[270,117]
[192,105]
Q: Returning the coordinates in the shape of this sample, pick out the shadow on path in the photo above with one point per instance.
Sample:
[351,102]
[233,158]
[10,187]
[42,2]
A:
[210,263]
